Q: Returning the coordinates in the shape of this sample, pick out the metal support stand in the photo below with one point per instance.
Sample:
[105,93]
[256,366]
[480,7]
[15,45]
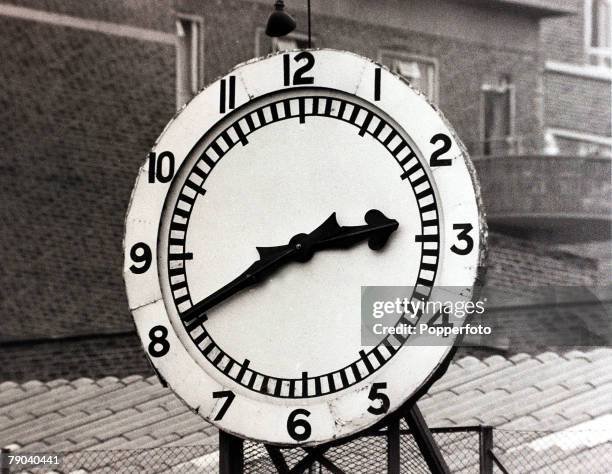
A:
[486,447]
[393,447]
[231,455]
[424,439]
[4,464]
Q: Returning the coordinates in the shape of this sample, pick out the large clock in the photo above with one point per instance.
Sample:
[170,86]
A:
[265,206]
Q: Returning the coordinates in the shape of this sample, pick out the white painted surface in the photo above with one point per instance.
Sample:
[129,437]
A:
[287,180]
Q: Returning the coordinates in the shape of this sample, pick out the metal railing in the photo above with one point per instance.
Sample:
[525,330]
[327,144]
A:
[466,450]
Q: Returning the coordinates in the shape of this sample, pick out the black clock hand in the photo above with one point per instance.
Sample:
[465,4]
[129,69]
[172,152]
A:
[378,230]
[330,235]
[274,258]
[301,247]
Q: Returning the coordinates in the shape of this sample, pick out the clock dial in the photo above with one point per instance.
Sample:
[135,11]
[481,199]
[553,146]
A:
[326,125]
[267,204]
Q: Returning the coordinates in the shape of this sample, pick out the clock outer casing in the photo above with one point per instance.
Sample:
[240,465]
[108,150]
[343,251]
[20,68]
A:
[300,85]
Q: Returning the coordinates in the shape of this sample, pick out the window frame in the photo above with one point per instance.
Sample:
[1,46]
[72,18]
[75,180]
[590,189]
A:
[195,75]
[501,87]
[407,56]
[599,53]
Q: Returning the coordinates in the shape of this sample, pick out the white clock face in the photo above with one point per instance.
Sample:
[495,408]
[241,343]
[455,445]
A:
[266,205]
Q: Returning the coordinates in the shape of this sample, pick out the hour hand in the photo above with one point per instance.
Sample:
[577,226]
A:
[377,231]
[331,235]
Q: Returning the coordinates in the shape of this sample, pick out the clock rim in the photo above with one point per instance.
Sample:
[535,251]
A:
[480,245]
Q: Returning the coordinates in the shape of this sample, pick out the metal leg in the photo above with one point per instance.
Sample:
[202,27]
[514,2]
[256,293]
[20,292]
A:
[231,454]
[4,465]
[277,459]
[393,447]
[486,445]
[426,443]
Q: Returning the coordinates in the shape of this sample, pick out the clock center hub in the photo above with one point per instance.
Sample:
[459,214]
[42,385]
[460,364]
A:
[303,248]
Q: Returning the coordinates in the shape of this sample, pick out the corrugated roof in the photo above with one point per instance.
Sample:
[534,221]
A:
[523,392]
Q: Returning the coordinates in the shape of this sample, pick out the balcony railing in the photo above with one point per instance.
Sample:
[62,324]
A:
[563,198]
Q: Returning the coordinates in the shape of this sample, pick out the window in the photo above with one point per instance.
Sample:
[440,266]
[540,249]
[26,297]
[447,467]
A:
[598,32]
[189,57]
[266,45]
[498,119]
[421,72]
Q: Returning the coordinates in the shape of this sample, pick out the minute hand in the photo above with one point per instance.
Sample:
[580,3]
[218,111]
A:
[249,277]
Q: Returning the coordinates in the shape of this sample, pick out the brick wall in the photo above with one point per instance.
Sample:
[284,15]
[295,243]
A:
[518,263]
[94,357]
[563,37]
[539,299]
[577,103]
[542,299]
[546,328]
[463,66]
[79,110]
[564,199]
